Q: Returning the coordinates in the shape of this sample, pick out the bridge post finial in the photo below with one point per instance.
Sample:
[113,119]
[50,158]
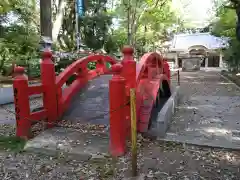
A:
[21,101]
[128,53]
[117,99]
[48,78]
[117,69]
[129,67]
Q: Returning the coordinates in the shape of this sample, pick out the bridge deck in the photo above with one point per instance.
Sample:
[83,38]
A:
[82,144]
[89,105]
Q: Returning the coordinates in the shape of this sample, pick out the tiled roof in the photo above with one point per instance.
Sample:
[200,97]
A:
[183,42]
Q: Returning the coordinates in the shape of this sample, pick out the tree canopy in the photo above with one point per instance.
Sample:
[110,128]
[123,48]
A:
[18,32]
[106,25]
[225,26]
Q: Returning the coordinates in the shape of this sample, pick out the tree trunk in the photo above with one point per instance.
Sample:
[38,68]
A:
[46,18]
[57,24]
[129,37]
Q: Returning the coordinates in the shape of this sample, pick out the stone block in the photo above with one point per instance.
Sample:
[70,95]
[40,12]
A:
[191,64]
[166,113]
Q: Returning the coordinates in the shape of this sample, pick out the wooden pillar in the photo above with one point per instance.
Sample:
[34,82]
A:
[117,112]
[22,105]
[220,59]
[48,77]
[206,62]
[176,61]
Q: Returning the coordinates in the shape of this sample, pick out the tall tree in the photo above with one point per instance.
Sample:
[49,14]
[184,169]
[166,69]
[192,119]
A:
[146,17]
[225,26]
[93,25]
[18,32]
[230,4]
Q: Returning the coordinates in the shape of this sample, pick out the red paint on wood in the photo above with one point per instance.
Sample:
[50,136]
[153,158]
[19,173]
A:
[39,115]
[22,106]
[148,93]
[35,89]
[116,107]
[79,68]
[167,69]
[149,77]
[129,73]
[146,76]
[48,77]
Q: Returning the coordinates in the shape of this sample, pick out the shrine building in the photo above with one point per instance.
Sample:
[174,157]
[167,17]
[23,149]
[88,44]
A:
[193,51]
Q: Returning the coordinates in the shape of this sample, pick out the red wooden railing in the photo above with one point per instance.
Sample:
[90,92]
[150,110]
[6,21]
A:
[146,77]
[55,102]
[22,91]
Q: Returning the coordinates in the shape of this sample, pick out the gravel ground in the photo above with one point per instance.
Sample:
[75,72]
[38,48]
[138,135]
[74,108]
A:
[209,111]
[156,160]
[195,84]
[7,111]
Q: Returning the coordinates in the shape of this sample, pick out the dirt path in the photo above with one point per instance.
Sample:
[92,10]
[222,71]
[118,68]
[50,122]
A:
[209,112]
[7,111]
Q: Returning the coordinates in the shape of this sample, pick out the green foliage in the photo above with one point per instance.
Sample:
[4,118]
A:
[11,143]
[91,65]
[148,21]
[116,41]
[18,39]
[18,44]
[225,26]
[232,55]
[93,26]
[95,30]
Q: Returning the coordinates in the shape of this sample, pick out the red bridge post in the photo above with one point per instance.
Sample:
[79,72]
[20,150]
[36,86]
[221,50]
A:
[48,76]
[129,73]
[167,69]
[117,98]
[129,67]
[22,105]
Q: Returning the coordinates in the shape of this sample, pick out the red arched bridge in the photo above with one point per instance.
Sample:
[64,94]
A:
[107,86]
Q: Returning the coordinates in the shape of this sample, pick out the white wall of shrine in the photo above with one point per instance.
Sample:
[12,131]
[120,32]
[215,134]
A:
[182,44]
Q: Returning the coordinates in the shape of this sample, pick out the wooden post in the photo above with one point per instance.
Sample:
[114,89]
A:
[129,73]
[50,99]
[22,105]
[178,77]
[129,67]
[117,96]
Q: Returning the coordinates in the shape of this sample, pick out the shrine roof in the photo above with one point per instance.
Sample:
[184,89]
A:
[182,42]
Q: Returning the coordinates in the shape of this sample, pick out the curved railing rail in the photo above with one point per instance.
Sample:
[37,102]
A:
[146,76]
[150,65]
[80,69]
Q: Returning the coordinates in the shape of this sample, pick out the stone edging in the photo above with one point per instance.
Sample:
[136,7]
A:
[167,112]
[229,80]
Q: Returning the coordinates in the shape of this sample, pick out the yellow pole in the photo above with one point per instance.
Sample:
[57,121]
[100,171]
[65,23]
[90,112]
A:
[133,131]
